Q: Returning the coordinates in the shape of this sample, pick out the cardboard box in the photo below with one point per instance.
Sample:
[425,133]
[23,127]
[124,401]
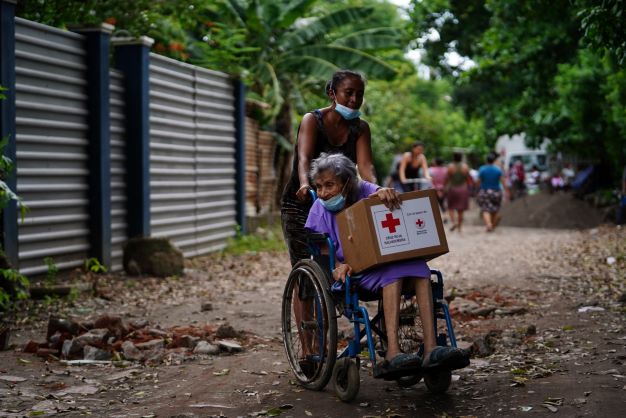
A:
[371,235]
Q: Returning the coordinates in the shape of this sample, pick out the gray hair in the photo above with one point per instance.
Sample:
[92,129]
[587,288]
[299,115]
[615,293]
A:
[342,168]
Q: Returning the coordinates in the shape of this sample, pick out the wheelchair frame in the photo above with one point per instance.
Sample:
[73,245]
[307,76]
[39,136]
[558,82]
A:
[345,365]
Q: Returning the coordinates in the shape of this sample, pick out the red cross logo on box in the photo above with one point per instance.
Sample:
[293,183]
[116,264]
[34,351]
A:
[419,223]
[391,223]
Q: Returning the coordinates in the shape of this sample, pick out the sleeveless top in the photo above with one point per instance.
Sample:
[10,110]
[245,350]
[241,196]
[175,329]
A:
[411,172]
[457,178]
[322,144]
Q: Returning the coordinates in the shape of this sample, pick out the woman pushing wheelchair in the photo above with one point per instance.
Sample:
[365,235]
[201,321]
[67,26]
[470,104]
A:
[337,185]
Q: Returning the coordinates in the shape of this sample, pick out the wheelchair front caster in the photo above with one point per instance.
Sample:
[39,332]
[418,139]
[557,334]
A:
[438,381]
[346,379]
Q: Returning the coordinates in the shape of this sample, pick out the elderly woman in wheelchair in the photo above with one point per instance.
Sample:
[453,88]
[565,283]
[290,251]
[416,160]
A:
[337,185]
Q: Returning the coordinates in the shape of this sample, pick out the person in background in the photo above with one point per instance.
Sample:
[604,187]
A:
[413,166]
[438,174]
[534,180]
[491,182]
[393,180]
[517,179]
[458,182]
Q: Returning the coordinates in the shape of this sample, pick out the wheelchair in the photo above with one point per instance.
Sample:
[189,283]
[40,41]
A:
[312,303]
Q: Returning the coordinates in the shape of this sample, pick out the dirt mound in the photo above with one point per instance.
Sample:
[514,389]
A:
[552,211]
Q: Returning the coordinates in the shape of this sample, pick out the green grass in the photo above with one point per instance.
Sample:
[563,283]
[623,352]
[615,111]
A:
[263,239]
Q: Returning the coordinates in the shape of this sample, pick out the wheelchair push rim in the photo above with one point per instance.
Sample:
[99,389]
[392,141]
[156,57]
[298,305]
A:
[308,318]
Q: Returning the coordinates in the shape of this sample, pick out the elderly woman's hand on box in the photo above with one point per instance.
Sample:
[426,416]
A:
[389,196]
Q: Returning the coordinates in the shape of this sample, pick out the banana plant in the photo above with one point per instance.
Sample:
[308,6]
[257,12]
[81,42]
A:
[296,47]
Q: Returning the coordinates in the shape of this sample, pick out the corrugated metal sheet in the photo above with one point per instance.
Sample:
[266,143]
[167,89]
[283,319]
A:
[192,156]
[51,138]
[119,233]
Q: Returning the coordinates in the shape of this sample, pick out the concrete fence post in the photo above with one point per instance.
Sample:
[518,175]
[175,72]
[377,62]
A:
[132,57]
[8,224]
[240,135]
[97,45]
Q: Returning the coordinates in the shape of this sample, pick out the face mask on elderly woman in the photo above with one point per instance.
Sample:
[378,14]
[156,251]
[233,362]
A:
[335,203]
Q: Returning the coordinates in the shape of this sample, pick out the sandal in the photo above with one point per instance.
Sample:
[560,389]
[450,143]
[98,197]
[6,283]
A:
[400,366]
[449,358]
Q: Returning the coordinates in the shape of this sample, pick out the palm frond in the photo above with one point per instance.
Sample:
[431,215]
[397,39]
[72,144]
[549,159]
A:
[317,28]
[373,38]
[292,11]
[237,9]
[309,66]
[344,57]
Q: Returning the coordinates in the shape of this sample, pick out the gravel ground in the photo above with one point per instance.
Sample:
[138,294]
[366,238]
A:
[545,357]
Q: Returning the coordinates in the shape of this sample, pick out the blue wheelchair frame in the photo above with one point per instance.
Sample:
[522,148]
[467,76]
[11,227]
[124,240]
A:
[359,315]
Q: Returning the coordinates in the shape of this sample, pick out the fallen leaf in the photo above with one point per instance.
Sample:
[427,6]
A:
[13,379]
[551,408]
[223,372]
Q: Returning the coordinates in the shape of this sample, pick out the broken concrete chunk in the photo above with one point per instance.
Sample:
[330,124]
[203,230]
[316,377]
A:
[150,345]
[113,323]
[93,337]
[229,346]
[131,352]
[226,331]
[204,347]
[93,353]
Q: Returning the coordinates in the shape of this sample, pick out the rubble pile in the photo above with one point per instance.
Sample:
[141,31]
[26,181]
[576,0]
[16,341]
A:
[488,302]
[111,338]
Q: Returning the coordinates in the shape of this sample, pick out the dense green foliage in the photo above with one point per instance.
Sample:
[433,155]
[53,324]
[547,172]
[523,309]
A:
[13,285]
[547,68]
[410,109]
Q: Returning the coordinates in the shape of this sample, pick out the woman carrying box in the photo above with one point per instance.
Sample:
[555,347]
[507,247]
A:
[337,185]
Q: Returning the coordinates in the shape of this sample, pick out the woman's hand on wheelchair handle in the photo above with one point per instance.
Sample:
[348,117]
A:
[303,192]
[388,196]
[341,271]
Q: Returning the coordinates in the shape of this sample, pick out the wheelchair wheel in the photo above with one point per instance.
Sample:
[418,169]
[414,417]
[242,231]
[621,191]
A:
[309,325]
[346,379]
[438,381]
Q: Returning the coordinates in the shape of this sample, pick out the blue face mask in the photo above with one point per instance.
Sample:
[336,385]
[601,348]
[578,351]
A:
[335,203]
[346,112]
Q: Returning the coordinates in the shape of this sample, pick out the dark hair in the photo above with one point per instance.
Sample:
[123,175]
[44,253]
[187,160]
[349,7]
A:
[438,161]
[342,168]
[417,144]
[491,157]
[341,75]
[457,156]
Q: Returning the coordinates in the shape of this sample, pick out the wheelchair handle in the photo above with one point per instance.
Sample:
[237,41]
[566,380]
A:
[312,194]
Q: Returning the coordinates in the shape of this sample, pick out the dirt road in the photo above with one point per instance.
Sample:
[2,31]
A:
[536,351]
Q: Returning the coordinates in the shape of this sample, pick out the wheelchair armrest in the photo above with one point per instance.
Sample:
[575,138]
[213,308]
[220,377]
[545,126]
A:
[317,237]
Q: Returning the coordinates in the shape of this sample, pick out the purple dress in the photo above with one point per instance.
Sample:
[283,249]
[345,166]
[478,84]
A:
[323,221]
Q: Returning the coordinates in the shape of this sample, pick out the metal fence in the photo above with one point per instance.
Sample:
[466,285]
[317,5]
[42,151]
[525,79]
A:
[193,151]
[51,137]
[119,225]
[192,156]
